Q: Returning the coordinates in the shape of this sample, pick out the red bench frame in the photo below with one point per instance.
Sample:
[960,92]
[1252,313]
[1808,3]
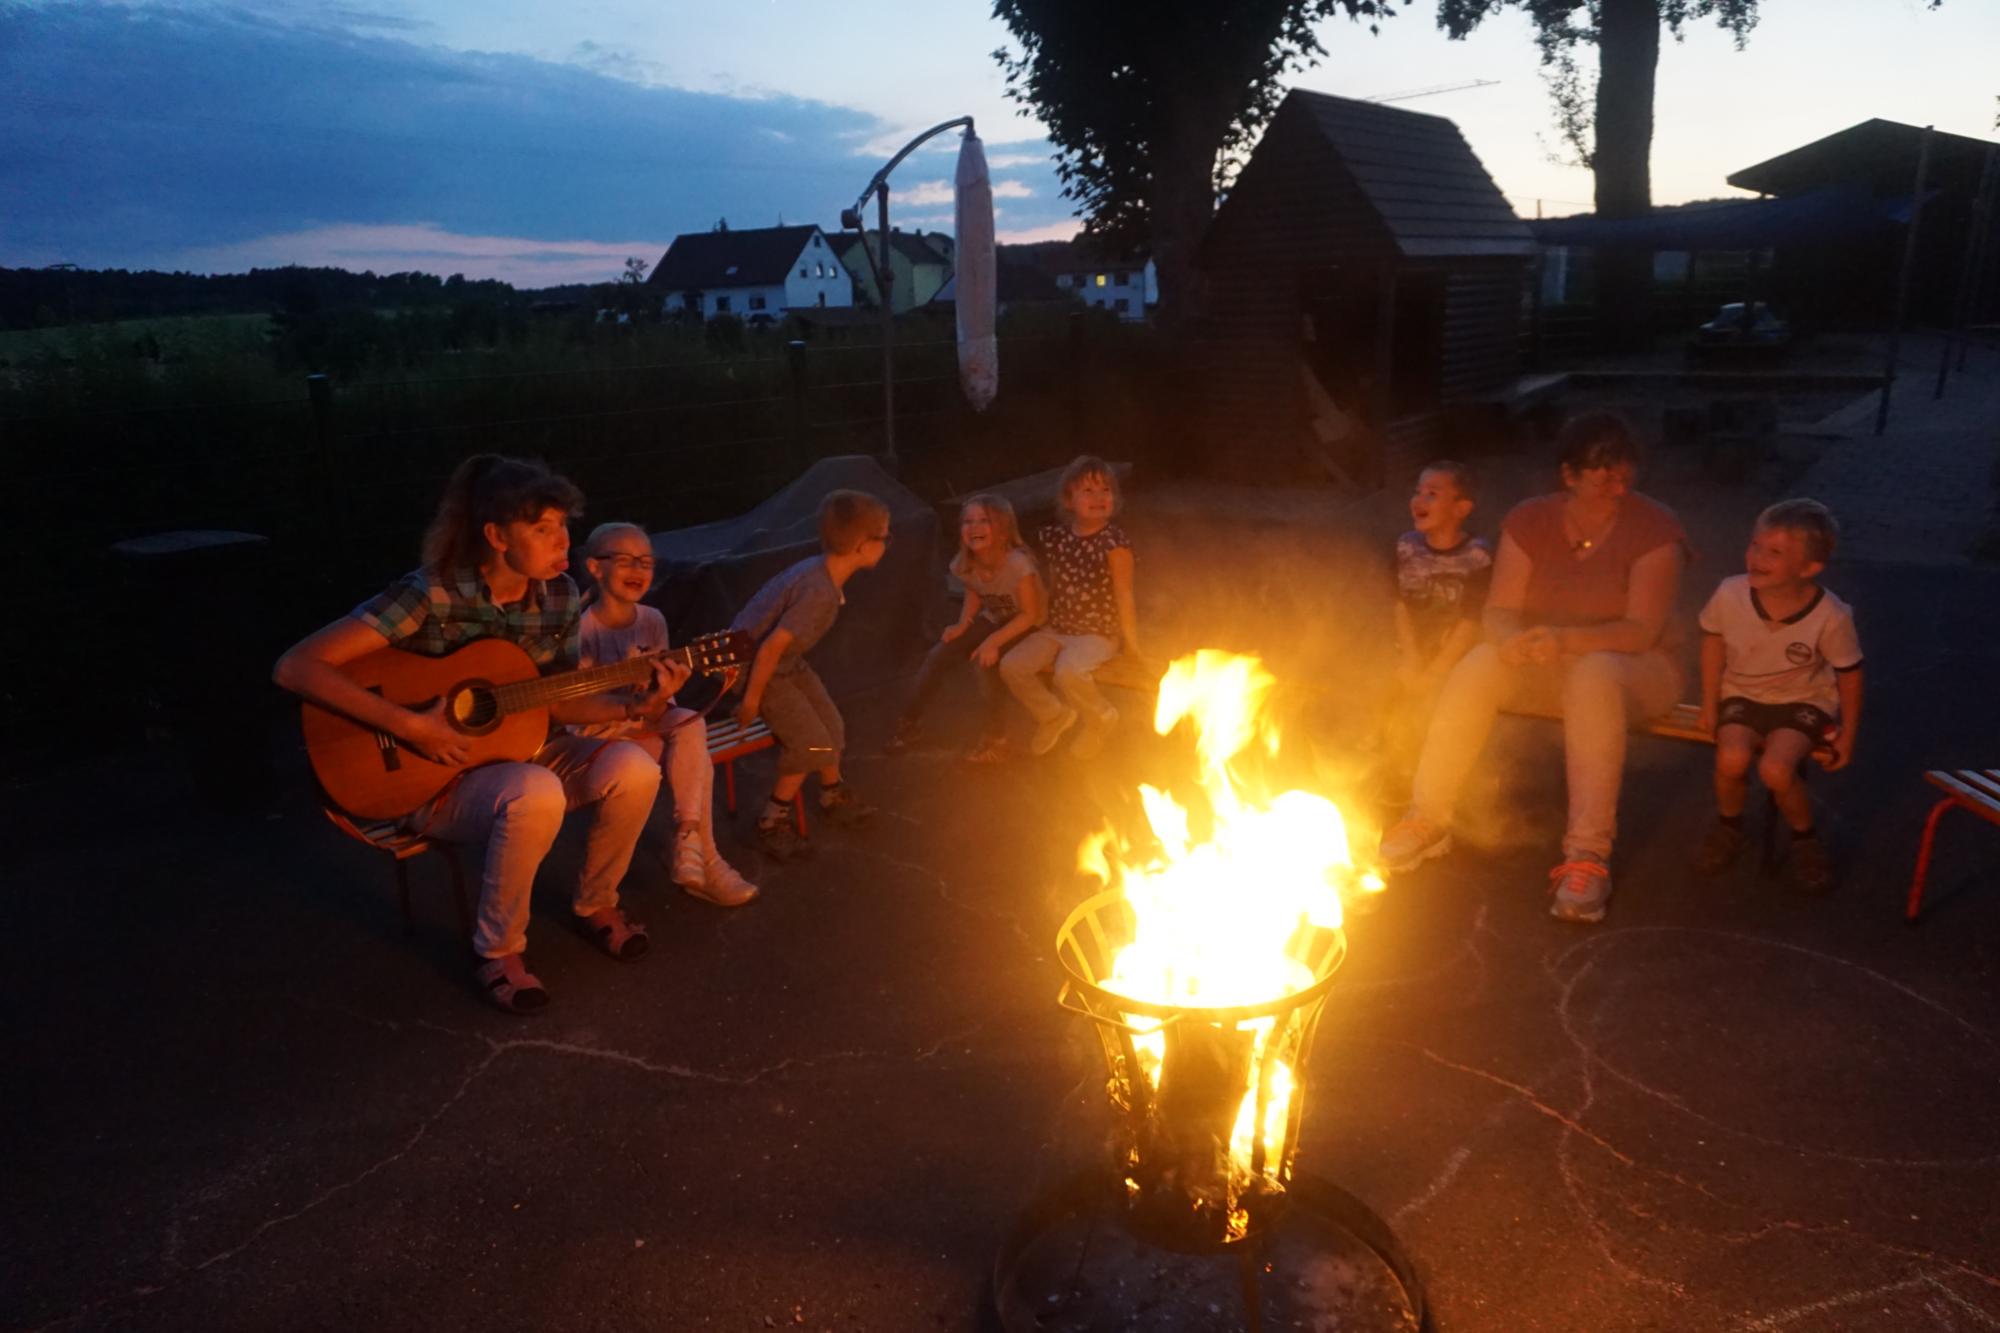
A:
[1977,790]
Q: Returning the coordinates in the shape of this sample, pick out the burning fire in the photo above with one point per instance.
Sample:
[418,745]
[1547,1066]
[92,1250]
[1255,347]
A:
[1217,920]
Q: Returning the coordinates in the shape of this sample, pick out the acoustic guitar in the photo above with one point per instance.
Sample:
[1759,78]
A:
[492,693]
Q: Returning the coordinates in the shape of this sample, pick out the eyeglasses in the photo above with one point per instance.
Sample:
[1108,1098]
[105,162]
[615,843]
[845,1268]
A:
[642,563]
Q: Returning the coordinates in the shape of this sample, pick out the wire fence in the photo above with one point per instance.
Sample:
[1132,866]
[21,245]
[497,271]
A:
[341,478]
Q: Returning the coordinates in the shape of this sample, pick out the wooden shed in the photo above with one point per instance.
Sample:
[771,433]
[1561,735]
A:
[1364,276]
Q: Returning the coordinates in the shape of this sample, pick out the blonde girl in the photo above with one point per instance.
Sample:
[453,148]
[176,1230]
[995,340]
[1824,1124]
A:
[1003,603]
[614,627]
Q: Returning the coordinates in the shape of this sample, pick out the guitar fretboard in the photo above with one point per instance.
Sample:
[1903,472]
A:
[545,690]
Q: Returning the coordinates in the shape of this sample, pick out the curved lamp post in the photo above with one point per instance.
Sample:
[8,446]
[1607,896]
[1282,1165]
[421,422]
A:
[884,274]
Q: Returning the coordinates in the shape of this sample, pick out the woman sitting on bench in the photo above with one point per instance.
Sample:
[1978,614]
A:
[1578,619]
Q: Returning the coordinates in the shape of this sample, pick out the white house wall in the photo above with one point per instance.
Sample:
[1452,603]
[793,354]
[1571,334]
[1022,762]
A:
[817,273]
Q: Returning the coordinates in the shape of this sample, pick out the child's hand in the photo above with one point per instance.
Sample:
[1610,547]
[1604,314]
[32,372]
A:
[987,654]
[668,677]
[1841,750]
[434,738]
[952,631]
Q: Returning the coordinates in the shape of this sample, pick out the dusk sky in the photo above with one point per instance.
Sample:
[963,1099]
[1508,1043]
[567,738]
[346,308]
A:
[543,143]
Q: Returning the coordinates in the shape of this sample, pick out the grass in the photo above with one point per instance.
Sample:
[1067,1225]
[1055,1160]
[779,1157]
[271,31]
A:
[175,334]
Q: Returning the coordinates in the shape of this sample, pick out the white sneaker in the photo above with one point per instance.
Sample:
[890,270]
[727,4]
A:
[1090,737]
[1051,731]
[690,860]
[722,884]
[1412,841]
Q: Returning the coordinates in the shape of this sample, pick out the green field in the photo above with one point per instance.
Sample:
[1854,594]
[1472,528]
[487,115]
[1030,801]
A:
[176,335]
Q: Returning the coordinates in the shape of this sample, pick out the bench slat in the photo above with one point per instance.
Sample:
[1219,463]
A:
[1982,803]
[1976,778]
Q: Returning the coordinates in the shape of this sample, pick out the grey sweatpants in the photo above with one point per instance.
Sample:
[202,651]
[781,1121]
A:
[802,716]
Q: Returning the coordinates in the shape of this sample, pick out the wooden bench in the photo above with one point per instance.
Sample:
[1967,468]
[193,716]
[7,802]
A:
[1977,790]
[402,848]
[728,742]
[1682,722]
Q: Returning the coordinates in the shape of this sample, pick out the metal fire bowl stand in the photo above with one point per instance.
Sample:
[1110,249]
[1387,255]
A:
[1070,1264]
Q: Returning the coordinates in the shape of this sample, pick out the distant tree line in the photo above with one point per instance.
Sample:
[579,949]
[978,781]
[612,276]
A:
[33,298]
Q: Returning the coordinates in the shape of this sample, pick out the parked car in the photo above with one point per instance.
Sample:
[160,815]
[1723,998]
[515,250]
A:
[1741,329]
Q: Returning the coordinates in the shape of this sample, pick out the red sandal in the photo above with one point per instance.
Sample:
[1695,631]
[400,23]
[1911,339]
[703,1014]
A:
[622,939]
[993,750]
[509,984]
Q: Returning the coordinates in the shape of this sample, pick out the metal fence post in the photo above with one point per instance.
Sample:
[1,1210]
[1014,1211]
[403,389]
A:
[800,427]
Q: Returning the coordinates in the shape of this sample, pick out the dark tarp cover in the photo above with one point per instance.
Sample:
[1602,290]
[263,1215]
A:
[707,573]
[1828,214]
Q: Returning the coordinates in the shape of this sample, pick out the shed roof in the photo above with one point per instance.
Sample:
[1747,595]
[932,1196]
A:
[1877,155]
[752,257]
[1418,174]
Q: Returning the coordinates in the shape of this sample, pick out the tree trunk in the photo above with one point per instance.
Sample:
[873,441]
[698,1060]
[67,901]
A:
[1181,203]
[1628,57]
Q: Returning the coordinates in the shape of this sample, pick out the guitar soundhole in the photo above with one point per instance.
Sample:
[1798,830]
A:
[473,707]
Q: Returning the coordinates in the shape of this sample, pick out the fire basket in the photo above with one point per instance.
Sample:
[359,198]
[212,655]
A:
[1207,1102]
[1203,967]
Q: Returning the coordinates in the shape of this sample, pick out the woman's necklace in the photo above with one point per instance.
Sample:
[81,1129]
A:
[1581,540]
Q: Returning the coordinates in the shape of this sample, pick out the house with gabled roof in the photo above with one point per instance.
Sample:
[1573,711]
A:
[920,264]
[755,274]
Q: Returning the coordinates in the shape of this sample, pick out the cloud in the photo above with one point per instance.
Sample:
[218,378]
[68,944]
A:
[1053,231]
[147,134]
[926,193]
[426,247]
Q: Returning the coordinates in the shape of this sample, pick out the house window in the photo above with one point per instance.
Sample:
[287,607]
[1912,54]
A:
[1121,305]
[815,241]
[802,270]
[721,305]
[1122,278]
[757,303]
[1062,281]
[1100,279]
[819,270]
[822,298]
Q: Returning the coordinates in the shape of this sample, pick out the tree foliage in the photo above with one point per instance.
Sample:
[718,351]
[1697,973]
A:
[1563,27]
[1152,106]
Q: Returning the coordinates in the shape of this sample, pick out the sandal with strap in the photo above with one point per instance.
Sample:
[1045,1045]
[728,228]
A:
[510,985]
[622,939]
[991,751]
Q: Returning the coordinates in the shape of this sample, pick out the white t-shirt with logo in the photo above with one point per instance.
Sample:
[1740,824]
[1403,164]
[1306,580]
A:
[1789,661]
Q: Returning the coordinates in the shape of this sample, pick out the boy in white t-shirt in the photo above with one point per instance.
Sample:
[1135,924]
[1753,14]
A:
[1781,674]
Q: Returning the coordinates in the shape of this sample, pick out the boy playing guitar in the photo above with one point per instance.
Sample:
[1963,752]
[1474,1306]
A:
[493,567]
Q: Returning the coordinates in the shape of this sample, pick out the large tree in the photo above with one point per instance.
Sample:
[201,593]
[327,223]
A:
[1609,127]
[1151,104]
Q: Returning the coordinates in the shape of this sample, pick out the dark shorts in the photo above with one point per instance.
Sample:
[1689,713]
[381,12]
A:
[1767,718]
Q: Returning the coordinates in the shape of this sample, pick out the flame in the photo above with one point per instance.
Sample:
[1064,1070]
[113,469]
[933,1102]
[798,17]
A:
[1216,918]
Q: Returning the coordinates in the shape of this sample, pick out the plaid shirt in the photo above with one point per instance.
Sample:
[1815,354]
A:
[420,613]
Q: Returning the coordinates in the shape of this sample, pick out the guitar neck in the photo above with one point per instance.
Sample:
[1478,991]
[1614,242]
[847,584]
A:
[545,690]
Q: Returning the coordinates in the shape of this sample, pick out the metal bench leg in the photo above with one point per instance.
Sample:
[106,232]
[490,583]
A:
[1915,905]
[403,895]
